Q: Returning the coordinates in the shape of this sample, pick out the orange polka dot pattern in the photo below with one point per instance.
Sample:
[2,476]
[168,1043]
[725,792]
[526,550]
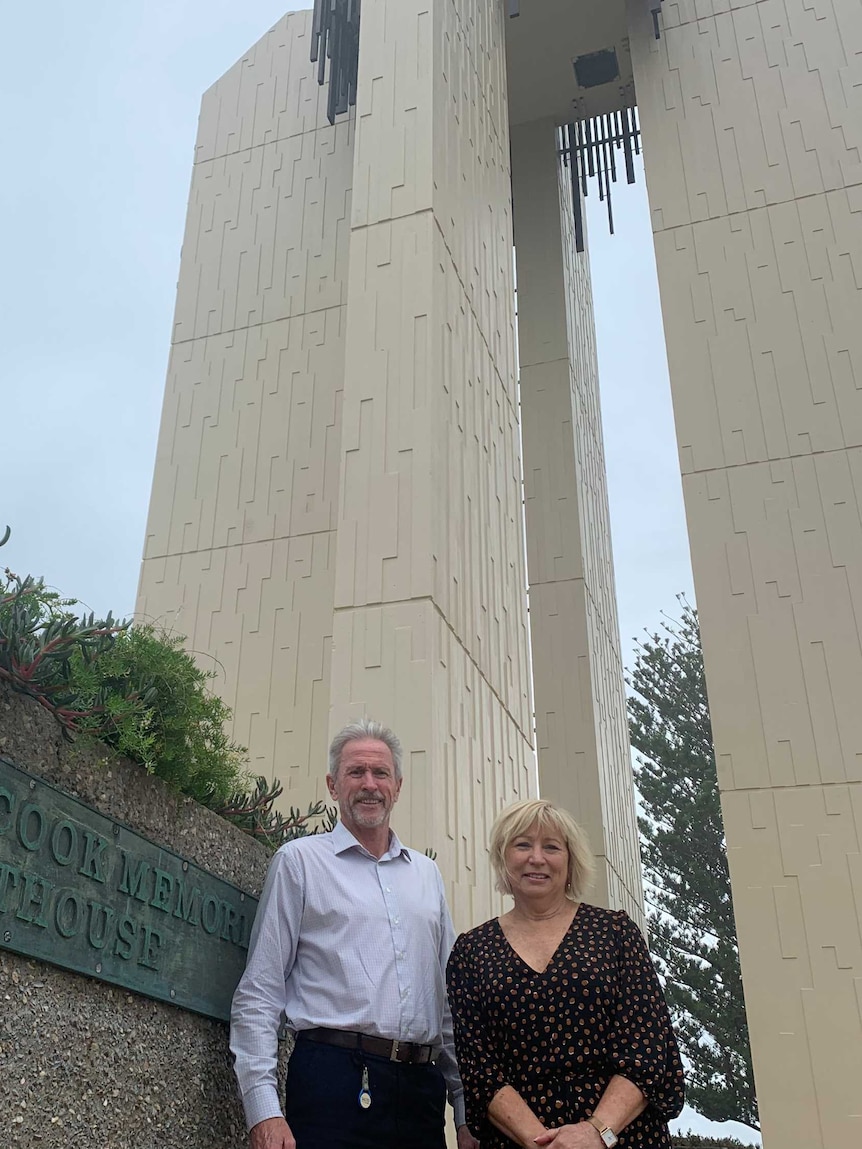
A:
[559,1036]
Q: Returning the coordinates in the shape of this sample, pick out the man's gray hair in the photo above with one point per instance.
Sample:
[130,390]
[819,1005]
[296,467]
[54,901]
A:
[364,728]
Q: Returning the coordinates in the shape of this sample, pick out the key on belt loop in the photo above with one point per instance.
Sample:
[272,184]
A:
[393,1056]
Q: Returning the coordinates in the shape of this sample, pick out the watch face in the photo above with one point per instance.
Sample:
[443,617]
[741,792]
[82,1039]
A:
[610,1138]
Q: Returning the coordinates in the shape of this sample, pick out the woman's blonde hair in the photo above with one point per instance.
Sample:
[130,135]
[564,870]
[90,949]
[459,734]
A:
[516,820]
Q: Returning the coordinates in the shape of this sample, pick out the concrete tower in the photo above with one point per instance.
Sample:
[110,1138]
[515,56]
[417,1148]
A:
[752,122]
[337,509]
[337,515]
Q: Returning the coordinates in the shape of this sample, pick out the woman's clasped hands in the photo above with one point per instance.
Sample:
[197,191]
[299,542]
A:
[580,1136]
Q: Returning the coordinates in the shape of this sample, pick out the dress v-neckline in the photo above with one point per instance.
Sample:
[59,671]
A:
[552,958]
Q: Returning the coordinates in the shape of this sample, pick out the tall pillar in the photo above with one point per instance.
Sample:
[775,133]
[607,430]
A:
[581,727]
[752,128]
[430,629]
[240,548]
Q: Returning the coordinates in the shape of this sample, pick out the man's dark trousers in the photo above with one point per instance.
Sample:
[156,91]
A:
[322,1103]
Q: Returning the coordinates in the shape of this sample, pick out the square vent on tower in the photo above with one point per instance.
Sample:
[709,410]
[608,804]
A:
[596,68]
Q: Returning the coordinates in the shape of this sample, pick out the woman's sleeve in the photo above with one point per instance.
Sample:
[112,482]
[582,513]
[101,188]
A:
[643,1045]
[478,1062]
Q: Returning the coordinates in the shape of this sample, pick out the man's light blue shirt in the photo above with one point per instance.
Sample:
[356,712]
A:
[347,941]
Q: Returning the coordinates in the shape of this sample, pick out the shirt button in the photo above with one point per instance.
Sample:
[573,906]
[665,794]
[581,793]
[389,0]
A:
[395,921]
[388,889]
[405,993]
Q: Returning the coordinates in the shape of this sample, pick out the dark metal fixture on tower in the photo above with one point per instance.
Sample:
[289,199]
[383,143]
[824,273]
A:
[655,10]
[588,147]
[335,37]
[589,150]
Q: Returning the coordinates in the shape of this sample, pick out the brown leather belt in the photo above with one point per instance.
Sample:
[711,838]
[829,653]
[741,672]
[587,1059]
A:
[407,1052]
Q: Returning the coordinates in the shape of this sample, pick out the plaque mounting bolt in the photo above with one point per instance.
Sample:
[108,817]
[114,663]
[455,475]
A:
[116,830]
[185,866]
[173,993]
[98,967]
[7,937]
[32,784]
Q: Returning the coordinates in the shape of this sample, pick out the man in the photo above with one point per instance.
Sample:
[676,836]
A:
[350,945]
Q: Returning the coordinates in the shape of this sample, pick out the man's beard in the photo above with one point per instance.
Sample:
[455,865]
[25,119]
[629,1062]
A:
[369,816]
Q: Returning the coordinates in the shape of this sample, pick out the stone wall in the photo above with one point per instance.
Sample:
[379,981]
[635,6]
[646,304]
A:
[83,1063]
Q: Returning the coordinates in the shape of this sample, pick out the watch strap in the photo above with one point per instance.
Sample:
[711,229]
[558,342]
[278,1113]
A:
[601,1128]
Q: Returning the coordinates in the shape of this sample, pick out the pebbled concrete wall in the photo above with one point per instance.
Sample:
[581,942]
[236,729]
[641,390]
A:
[86,1064]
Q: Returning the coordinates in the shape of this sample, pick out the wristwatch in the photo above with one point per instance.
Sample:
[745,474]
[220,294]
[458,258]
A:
[605,1132]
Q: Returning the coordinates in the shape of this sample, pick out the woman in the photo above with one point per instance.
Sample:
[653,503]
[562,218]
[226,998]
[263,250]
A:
[561,1029]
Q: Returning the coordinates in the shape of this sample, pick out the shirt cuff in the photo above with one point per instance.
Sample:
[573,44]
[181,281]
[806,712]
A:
[460,1117]
[260,1104]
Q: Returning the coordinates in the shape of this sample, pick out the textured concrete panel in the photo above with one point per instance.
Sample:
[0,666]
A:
[430,520]
[260,616]
[796,864]
[749,104]
[464,757]
[581,725]
[777,551]
[248,448]
[581,735]
[240,549]
[762,316]
[441,515]
[452,162]
[270,93]
[752,127]
[266,231]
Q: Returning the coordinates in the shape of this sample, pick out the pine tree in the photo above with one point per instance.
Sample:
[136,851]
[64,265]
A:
[689,905]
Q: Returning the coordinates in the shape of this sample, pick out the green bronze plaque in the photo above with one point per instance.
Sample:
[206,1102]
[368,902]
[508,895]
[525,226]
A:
[84,892]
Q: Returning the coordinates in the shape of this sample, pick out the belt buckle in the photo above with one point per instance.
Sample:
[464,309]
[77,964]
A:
[393,1056]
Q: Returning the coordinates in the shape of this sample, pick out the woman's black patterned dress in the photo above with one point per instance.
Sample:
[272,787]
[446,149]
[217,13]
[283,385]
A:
[558,1037]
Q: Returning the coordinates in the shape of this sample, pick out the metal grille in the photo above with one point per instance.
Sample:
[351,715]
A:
[590,149]
[335,37]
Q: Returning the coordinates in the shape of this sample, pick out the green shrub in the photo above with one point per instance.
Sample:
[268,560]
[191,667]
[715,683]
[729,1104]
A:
[136,689]
[129,686]
[252,811]
[157,707]
[40,637]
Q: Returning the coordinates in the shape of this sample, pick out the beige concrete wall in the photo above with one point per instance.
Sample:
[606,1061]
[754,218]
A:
[581,727]
[752,126]
[240,548]
[430,624]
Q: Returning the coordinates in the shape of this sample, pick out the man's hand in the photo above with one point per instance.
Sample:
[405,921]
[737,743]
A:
[466,1140]
[274,1133]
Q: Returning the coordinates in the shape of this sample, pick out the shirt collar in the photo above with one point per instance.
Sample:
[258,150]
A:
[343,840]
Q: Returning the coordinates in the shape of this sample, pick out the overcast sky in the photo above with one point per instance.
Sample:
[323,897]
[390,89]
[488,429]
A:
[100,101]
